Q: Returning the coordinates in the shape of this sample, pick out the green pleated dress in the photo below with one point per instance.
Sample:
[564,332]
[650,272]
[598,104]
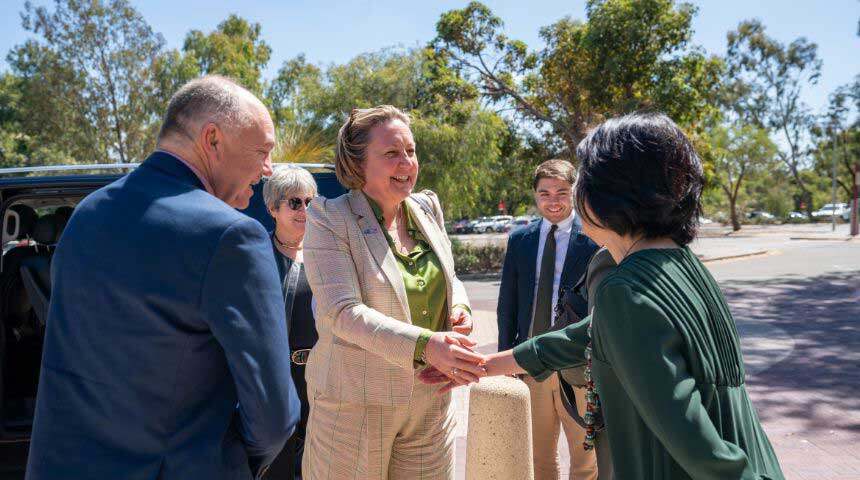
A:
[668,369]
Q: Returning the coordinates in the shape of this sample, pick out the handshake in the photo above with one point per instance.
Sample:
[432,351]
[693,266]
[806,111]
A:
[453,360]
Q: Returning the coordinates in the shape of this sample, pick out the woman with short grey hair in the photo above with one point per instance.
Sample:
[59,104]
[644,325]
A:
[288,181]
[287,194]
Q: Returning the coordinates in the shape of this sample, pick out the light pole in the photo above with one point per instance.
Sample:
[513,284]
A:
[833,182]
[855,202]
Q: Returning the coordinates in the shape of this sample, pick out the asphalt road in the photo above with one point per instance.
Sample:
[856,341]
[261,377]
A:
[798,314]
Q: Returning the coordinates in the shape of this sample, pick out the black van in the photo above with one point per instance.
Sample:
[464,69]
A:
[35,204]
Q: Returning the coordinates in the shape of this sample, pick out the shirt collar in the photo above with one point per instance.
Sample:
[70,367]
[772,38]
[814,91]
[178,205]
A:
[569,224]
[377,212]
[194,170]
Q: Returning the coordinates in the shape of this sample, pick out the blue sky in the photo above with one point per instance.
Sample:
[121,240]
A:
[335,31]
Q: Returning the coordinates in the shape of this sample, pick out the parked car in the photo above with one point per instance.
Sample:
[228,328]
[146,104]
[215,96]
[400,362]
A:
[460,226]
[35,210]
[500,222]
[485,225]
[830,209]
[495,223]
[760,214]
[517,223]
[796,216]
[472,226]
[846,214]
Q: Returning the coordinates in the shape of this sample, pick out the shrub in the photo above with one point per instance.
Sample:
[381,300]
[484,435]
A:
[477,259]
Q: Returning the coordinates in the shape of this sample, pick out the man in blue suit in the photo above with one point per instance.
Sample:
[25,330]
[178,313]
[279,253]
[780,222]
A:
[543,258]
[166,353]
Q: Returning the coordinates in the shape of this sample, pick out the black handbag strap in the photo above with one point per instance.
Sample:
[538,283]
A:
[568,399]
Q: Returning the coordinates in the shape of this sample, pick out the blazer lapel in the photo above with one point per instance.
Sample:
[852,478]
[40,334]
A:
[431,232]
[576,257]
[529,256]
[378,246]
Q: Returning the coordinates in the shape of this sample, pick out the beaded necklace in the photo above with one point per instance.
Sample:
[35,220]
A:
[593,416]
[592,399]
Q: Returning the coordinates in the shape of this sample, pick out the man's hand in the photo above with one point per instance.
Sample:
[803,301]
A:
[461,320]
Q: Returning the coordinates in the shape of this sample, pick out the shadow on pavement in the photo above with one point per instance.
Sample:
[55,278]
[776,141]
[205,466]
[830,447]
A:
[817,386]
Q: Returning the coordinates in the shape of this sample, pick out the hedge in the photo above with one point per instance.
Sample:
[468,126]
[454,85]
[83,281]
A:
[477,259]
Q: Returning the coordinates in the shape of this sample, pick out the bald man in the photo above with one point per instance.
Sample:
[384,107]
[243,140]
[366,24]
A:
[166,352]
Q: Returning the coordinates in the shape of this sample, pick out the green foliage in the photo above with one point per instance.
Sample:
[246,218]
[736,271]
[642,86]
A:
[477,259]
[289,93]
[17,148]
[234,49]
[298,144]
[739,152]
[171,70]
[460,144]
[628,55]
[846,153]
[767,79]
[843,133]
[92,83]
[85,80]
[460,156]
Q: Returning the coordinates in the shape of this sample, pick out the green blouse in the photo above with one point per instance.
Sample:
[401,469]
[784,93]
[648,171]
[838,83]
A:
[423,279]
[668,369]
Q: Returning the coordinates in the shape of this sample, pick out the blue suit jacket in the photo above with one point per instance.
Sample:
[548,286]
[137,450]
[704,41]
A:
[516,293]
[166,353]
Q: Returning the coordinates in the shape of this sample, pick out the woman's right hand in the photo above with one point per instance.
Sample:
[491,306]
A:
[450,353]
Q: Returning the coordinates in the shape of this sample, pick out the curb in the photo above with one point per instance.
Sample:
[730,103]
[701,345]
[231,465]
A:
[498,275]
[732,257]
[480,276]
[828,239]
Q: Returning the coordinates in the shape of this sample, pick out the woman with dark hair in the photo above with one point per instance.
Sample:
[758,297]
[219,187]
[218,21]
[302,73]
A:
[663,359]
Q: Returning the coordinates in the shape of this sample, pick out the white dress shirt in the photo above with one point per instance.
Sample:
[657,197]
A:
[562,239]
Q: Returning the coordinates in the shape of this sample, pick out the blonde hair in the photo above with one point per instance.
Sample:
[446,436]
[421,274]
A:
[353,138]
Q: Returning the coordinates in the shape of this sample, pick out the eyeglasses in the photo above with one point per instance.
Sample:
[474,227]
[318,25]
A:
[296,203]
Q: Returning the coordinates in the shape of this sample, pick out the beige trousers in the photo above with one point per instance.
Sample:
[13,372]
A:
[409,442]
[548,414]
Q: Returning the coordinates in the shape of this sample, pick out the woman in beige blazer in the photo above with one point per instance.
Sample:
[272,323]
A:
[382,273]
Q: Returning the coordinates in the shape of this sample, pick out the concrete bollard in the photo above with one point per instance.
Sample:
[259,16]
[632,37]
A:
[499,440]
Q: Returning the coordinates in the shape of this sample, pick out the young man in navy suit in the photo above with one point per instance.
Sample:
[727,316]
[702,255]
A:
[541,259]
[166,352]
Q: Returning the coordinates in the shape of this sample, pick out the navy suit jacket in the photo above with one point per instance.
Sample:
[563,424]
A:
[166,353]
[516,293]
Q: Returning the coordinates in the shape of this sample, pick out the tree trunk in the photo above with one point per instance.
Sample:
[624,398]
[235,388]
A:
[736,224]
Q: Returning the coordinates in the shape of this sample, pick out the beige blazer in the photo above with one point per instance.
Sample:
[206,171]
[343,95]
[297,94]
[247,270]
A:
[366,343]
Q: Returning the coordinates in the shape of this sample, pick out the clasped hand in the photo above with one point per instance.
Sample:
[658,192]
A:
[452,361]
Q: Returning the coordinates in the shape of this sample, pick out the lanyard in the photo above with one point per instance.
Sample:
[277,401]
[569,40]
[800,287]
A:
[290,283]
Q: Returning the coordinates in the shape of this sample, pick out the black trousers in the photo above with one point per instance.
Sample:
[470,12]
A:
[288,464]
